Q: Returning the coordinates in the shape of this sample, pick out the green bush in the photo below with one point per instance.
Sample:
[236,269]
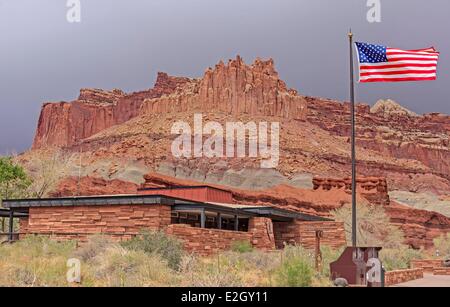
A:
[297,268]
[241,246]
[329,255]
[442,243]
[157,242]
[399,258]
[295,272]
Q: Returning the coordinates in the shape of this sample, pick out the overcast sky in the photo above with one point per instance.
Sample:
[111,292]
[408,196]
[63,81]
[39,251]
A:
[123,43]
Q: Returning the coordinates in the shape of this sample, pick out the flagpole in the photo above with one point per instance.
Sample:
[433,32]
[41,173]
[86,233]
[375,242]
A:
[352,112]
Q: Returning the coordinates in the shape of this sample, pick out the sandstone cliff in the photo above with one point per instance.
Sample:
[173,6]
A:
[234,88]
[64,123]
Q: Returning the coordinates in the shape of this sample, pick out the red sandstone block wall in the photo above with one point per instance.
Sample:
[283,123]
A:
[401,276]
[304,233]
[427,265]
[261,229]
[441,271]
[115,220]
[205,241]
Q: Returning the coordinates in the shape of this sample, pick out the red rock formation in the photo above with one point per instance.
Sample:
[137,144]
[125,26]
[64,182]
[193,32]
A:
[423,138]
[71,186]
[419,226]
[64,123]
[234,88]
[374,189]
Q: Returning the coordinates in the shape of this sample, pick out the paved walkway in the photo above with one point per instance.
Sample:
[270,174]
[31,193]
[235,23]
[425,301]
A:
[428,280]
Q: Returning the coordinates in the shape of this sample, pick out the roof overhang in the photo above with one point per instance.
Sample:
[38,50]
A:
[283,215]
[7,212]
[277,214]
[89,201]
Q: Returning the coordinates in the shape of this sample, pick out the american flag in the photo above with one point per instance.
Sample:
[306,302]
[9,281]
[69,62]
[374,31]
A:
[379,63]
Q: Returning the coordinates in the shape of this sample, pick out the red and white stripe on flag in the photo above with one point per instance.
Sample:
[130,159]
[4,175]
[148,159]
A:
[402,65]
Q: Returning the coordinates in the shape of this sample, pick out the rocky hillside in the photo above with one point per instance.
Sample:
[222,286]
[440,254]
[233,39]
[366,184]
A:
[411,151]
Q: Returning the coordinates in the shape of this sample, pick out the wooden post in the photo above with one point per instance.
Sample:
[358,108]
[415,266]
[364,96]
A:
[11,224]
[236,223]
[318,252]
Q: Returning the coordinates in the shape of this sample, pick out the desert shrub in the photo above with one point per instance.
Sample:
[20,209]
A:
[157,242]
[373,227]
[442,243]
[95,245]
[399,258]
[254,268]
[215,271]
[296,269]
[39,261]
[255,259]
[35,261]
[329,255]
[294,272]
[241,246]
[38,246]
[120,267]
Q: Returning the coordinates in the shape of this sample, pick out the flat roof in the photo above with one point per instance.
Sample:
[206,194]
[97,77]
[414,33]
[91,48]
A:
[96,200]
[272,211]
[178,187]
[139,199]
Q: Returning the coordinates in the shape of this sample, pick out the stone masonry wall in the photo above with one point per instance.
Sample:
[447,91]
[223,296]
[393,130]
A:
[81,221]
[206,241]
[427,265]
[125,221]
[261,229]
[304,233]
[401,276]
[441,271]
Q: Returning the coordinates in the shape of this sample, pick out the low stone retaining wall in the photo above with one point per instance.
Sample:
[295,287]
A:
[427,265]
[400,276]
[204,241]
[441,271]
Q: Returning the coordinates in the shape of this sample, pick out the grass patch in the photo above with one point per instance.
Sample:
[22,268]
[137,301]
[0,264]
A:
[157,242]
[241,246]
[154,259]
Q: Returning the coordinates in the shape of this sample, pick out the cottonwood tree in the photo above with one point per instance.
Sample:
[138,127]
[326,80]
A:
[14,182]
[46,171]
[373,226]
